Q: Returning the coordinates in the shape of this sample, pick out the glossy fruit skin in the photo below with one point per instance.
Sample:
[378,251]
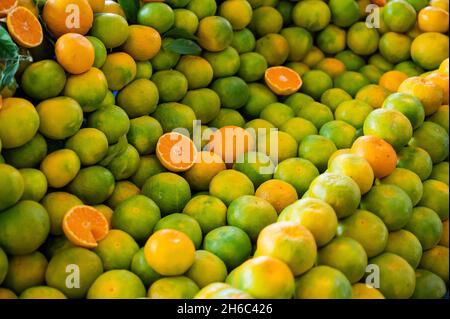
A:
[408,181]
[154,188]
[251,214]
[313,214]
[55,15]
[398,283]
[256,276]
[291,243]
[25,227]
[13,186]
[25,271]
[408,105]
[15,111]
[420,50]
[432,261]
[355,167]
[56,271]
[428,285]
[44,79]
[433,139]
[137,216]
[340,191]
[346,255]
[173,288]
[102,24]
[380,154]
[163,245]
[368,229]
[224,242]
[82,53]
[129,286]
[221,188]
[215,33]
[391,204]
[406,245]
[206,261]
[323,282]
[399,15]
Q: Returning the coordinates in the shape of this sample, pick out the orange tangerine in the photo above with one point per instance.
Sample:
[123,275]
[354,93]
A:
[24,27]
[430,94]
[230,142]
[282,80]
[443,68]
[84,226]
[30,5]
[433,19]
[143,42]
[278,193]
[97,5]
[113,7]
[169,252]
[332,66]
[443,4]
[75,53]
[6,6]
[442,81]
[176,152]
[391,80]
[207,165]
[379,153]
[59,16]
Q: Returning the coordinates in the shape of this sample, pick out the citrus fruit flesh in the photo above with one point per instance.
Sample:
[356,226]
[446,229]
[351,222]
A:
[282,80]
[176,152]
[85,225]
[24,27]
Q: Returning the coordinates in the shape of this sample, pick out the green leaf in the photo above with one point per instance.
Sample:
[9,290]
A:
[131,8]
[9,57]
[183,46]
[178,33]
[8,48]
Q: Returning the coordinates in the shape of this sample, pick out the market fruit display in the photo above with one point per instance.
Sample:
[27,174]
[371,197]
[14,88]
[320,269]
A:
[238,149]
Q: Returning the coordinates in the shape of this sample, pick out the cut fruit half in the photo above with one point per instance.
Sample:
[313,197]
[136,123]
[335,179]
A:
[6,6]
[84,226]
[176,152]
[283,80]
[24,27]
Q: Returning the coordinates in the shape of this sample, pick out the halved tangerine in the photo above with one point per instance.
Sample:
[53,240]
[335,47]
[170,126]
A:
[24,27]
[176,152]
[6,6]
[84,226]
[283,80]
